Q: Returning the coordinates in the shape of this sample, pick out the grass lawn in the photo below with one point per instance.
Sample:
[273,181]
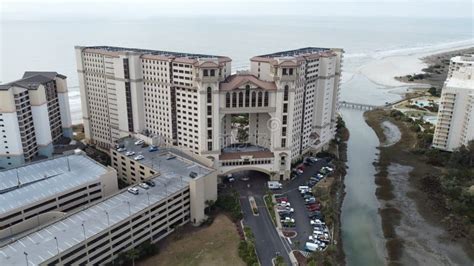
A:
[213,245]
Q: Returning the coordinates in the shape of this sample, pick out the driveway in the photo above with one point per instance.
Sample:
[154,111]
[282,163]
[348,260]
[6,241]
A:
[267,240]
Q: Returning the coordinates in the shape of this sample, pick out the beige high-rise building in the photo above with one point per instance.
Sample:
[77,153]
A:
[289,98]
[455,126]
[34,113]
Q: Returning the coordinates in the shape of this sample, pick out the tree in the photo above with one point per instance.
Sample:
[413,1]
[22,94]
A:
[433,91]
[132,255]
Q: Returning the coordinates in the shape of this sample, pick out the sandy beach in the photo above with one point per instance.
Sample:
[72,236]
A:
[384,69]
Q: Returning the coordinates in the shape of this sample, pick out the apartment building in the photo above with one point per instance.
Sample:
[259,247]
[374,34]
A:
[98,233]
[34,113]
[189,101]
[32,192]
[455,126]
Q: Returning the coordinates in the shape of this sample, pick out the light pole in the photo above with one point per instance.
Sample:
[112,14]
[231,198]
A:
[83,231]
[108,218]
[26,257]
[57,244]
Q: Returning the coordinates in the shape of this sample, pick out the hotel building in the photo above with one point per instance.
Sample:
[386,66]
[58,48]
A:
[189,101]
[34,113]
[455,125]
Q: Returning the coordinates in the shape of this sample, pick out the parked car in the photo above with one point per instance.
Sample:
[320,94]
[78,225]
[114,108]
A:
[272,185]
[287,220]
[121,149]
[144,185]
[139,157]
[310,200]
[139,142]
[133,190]
[230,178]
[152,148]
[130,153]
[316,222]
[151,183]
[285,209]
[278,200]
[284,204]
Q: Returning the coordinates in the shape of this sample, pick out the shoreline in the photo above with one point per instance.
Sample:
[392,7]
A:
[383,71]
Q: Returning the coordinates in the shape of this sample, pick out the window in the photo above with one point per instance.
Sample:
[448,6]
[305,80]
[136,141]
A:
[206,73]
[209,110]
[254,98]
[209,122]
[227,100]
[234,99]
[283,143]
[241,99]
[291,71]
[285,108]
[213,72]
[209,94]
[209,146]
[265,101]
[285,93]
[284,71]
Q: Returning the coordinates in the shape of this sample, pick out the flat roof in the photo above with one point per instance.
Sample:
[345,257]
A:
[40,245]
[43,179]
[153,52]
[295,52]
[159,160]
[236,151]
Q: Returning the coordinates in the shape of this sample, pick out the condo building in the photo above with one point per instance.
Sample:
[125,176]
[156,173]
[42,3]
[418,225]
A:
[34,113]
[455,125]
[190,101]
[97,233]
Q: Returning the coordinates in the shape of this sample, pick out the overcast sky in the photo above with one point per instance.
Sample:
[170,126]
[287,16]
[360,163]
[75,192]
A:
[136,9]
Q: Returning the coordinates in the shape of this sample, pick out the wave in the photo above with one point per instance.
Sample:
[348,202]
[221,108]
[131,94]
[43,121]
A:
[423,48]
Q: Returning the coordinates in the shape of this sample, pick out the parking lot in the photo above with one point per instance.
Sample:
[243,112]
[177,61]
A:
[302,222]
[269,242]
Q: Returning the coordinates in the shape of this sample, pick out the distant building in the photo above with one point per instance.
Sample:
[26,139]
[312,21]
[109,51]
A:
[49,186]
[291,99]
[455,126]
[34,113]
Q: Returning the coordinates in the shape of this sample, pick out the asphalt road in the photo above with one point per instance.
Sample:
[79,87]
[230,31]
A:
[268,241]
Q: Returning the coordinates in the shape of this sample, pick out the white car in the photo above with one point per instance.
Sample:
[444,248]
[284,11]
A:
[139,157]
[130,153]
[316,222]
[121,149]
[284,204]
[144,185]
[139,142]
[288,220]
[133,190]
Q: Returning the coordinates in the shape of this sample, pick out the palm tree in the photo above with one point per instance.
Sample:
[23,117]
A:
[133,254]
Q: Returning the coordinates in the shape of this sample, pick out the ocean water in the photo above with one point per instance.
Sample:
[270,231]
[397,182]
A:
[49,45]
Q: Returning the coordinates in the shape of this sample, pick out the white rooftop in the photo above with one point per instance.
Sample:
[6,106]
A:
[44,179]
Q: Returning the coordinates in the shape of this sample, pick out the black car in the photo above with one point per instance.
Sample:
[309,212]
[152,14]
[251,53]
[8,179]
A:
[151,183]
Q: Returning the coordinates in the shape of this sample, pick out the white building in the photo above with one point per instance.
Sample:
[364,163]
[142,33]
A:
[189,100]
[33,192]
[455,126]
[34,113]
[96,234]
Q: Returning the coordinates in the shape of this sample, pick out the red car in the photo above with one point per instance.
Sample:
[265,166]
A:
[282,199]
